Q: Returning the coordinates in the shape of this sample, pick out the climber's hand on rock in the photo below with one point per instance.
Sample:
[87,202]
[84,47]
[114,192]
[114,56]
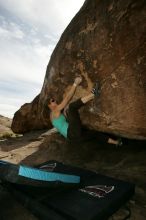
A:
[78,80]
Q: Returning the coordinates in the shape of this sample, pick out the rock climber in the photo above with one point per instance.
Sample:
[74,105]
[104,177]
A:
[69,125]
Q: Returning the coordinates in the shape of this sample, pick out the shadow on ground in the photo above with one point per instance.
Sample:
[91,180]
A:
[126,162]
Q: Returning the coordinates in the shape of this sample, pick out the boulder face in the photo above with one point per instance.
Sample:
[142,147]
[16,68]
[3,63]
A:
[27,118]
[105,41]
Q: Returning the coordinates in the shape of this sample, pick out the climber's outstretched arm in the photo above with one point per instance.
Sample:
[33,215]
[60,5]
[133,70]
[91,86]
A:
[70,94]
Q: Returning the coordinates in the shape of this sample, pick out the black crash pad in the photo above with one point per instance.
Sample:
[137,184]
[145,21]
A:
[97,197]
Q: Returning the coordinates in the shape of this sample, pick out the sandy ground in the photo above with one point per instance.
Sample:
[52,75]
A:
[127,162]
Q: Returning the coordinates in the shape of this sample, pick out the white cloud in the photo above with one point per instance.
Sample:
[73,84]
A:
[29,31]
[53,15]
[11,30]
[22,69]
[22,60]
[8,110]
[9,105]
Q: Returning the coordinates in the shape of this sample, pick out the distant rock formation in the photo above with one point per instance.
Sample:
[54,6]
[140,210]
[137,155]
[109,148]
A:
[106,40]
[5,127]
[29,117]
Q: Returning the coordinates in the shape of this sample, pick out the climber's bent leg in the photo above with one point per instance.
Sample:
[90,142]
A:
[73,117]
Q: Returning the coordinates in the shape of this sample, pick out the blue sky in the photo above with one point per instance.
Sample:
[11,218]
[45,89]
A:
[29,31]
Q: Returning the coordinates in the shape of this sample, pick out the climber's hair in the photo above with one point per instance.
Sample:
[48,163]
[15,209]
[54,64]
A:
[47,103]
[49,100]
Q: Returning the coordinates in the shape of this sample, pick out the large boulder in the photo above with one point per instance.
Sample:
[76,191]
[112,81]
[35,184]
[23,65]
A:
[28,118]
[105,41]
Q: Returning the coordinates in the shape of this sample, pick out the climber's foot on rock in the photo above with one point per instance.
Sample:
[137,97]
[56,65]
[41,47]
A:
[96,89]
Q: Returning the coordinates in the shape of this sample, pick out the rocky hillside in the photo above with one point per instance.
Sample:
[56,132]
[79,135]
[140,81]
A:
[5,127]
[106,40]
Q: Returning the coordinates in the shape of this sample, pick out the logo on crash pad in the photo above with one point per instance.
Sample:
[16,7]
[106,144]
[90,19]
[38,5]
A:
[99,191]
[48,167]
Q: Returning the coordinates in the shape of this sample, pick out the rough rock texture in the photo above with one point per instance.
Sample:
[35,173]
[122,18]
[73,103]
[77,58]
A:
[29,117]
[106,40]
